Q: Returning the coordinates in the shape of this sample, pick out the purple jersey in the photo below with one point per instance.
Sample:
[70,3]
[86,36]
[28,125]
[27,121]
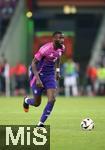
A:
[47,56]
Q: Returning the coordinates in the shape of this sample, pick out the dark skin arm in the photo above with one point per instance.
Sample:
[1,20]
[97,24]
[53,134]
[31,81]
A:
[34,69]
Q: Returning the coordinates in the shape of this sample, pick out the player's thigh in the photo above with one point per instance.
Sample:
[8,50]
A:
[37,93]
[51,94]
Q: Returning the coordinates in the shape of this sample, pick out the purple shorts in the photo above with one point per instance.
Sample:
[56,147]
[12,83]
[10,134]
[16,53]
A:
[48,81]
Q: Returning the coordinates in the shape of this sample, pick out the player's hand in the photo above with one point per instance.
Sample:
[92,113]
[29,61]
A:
[39,83]
[58,76]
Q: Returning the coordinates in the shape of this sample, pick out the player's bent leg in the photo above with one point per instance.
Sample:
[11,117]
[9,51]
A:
[49,106]
[36,101]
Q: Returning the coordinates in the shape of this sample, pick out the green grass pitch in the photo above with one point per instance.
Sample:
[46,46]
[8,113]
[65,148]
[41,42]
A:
[65,120]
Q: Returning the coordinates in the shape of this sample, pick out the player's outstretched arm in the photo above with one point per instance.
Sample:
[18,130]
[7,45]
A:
[34,68]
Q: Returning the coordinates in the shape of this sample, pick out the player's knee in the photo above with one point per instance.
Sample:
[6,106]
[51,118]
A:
[37,104]
[37,101]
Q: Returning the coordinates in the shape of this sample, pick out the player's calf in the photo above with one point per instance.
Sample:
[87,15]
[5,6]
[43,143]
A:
[36,101]
[47,111]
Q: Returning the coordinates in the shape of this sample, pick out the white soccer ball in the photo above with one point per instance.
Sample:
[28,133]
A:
[87,124]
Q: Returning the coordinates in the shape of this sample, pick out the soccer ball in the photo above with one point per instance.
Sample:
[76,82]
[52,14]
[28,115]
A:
[87,124]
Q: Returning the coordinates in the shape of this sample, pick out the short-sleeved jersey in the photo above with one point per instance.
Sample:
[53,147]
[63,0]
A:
[47,56]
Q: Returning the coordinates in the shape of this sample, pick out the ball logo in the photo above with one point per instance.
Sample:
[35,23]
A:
[87,124]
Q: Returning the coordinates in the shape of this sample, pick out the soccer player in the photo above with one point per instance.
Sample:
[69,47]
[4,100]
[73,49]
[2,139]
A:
[43,73]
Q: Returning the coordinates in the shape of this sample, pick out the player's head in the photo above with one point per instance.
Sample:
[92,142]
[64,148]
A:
[58,39]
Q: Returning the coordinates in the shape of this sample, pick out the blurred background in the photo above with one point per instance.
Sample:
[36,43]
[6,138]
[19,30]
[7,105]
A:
[25,25]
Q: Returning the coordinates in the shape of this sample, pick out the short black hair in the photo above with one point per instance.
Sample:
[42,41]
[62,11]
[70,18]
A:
[57,32]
